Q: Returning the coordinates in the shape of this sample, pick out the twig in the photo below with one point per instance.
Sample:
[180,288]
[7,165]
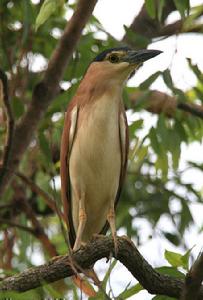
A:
[10,124]
[14,224]
[6,206]
[193,280]
[38,229]
[196,110]
[35,188]
[101,247]
[159,102]
[8,244]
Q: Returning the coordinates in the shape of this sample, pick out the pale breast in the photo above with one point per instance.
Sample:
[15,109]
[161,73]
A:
[95,163]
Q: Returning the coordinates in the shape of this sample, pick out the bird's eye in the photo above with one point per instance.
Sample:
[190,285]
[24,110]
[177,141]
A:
[113,58]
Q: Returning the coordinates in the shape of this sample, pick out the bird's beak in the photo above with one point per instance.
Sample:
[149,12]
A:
[140,56]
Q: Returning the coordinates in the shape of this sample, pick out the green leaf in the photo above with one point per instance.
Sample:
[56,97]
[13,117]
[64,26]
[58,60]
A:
[185,217]
[160,9]
[136,39]
[158,147]
[135,126]
[173,258]
[171,271]
[163,131]
[108,273]
[33,294]
[100,293]
[168,79]
[176,152]
[177,259]
[180,94]
[151,8]
[160,297]
[52,291]
[183,7]
[199,93]
[131,291]
[154,140]
[162,164]
[194,68]
[46,10]
[185,259]
[172,237]
[141,154]
[179,128]
[146,84]
[44,145]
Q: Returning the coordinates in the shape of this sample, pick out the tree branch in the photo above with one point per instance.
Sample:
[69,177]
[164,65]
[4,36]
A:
[16,225]
[100,247]
[193,109]
[39,232]
[48,88]
[51,202]
[193,280]
[150,28]
[145,26]
[159,102]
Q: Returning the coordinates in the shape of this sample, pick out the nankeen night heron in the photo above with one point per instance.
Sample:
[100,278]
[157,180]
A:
[94,146]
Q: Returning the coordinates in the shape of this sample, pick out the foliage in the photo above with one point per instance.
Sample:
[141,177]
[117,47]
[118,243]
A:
[154,182]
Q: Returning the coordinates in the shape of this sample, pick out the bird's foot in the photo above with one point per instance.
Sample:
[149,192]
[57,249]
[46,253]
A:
[83,245]
[111,220]
[115,241]
[78,246]
[96,236]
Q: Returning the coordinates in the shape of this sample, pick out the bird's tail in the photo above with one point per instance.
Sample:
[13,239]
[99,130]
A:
[79,281]
[83,283]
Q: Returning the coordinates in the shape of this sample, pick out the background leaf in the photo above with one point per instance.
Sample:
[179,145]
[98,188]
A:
[47,9]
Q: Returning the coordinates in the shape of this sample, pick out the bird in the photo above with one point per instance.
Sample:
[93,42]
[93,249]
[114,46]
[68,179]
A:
[94,145]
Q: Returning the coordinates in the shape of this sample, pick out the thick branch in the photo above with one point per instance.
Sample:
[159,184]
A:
[101,247]
[46,90]
[193,280]
[159,102]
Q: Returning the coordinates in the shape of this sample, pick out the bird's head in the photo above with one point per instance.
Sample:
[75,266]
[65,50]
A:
[119,64]
[109,71]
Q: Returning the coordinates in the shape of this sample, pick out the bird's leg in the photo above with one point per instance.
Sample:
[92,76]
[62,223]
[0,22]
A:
[82,222]
[112,223]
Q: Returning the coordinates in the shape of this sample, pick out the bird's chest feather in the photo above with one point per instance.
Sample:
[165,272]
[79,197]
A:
[99,137]
[95,156]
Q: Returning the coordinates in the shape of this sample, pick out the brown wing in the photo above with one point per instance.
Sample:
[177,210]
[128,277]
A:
[68,134]
[124,146]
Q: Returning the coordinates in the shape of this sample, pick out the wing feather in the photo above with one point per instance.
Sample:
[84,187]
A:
[67,139]
[124,144]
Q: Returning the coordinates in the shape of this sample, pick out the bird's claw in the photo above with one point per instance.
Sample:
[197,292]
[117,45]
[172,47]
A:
[96,236]
[115,245]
